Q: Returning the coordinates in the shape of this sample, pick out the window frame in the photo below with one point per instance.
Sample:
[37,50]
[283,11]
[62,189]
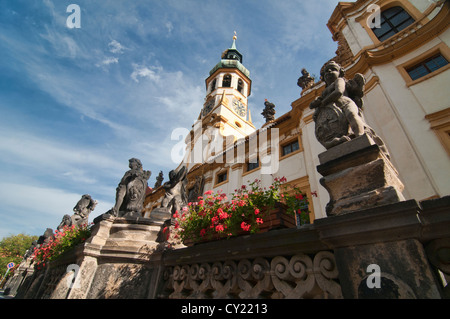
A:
[441,49]
[388,21]
[220,173]
[288,142]
[223,80]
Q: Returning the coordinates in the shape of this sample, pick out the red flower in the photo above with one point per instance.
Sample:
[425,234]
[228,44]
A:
[202,232]
[299,196]
[245,226]
[223,215]
[219,228]
[256,211]
[208,192]
[259,221]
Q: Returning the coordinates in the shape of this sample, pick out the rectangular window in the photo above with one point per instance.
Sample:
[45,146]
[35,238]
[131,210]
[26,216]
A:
[222,177]
[426,67]
[290,148]
[252,166]
[392,21]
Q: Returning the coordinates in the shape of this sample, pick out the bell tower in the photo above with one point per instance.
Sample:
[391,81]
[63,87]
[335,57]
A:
[227,90]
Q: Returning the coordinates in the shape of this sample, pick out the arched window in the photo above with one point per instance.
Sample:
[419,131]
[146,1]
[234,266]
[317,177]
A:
[226,81]
[392,21]
[240,86]
[213,85]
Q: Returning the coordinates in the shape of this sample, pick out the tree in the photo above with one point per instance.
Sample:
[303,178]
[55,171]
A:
[13,248]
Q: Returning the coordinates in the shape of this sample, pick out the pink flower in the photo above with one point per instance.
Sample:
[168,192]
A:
[223,215]
[245,226]
[219,228]
[256,211]
[208,192]
[259,221]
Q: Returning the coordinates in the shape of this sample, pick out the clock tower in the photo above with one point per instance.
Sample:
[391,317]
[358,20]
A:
[227,90]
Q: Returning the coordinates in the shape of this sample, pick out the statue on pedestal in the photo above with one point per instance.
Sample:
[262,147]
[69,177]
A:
[130,192]
[306,80]
[159,180]
[82,209]
[338,111]
[269,111]
[176,196]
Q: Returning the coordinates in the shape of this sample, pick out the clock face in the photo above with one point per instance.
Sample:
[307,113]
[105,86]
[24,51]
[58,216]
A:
[239,108]
[208,106]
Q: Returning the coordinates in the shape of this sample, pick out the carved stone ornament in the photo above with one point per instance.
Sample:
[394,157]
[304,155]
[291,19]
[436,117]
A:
[299,277]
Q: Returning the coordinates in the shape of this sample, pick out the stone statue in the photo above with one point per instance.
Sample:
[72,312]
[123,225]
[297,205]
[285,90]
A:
[175,197]
[66,221]
[338,111]
[159,180]
[306,80]
[30,250]
[45,238]
[269,111]
[130,193]
[197,189]
[82,210]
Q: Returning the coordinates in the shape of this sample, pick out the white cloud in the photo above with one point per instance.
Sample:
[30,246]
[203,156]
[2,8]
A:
[107,62]
[40,207]
[141,71]
[169,26]
[115,47]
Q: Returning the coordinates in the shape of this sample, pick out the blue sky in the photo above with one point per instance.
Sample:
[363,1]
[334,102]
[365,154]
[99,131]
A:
[76,104]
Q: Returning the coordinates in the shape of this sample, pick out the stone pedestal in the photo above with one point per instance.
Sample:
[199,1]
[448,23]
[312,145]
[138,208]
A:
[358,175]
[121,253]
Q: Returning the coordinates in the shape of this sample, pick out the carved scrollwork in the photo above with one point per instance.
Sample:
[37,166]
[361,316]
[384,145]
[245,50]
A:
[299,276]
[224,280]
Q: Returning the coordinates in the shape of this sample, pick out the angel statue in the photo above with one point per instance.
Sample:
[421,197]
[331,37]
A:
[338,111]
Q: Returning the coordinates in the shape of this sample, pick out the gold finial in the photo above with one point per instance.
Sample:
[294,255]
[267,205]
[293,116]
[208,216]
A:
[235,36]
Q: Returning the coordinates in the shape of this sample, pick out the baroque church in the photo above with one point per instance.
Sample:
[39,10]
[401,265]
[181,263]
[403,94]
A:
[397,53]
[402,50]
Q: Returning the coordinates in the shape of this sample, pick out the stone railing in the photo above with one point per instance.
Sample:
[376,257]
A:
[299,276]
[332,258]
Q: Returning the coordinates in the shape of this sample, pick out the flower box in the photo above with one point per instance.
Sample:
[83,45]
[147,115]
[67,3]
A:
[278,218]
[251,210]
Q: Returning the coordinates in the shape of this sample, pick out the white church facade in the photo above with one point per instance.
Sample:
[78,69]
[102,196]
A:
[402,50]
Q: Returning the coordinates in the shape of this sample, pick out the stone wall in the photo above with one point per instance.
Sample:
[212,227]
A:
[128,258]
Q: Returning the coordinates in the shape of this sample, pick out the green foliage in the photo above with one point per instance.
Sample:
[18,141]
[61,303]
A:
[12,249]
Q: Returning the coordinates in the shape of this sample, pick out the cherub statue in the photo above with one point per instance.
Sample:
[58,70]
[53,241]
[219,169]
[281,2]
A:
[338,111]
